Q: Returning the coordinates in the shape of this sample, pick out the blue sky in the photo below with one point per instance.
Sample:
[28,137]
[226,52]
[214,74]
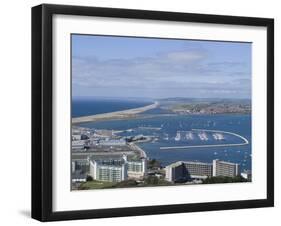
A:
[107,66]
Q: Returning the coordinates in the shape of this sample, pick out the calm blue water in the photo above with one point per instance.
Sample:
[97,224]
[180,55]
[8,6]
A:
[168,125]
[87,106]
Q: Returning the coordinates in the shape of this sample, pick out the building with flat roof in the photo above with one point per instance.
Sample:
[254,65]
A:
[199,170]
[185,170]
[112,142]
[176,172]
[227,169]
[137,169]
[79,136]
[108,172]
[78,144]
[116,170]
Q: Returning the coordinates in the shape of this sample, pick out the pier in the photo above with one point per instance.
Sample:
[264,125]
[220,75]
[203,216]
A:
[245,141]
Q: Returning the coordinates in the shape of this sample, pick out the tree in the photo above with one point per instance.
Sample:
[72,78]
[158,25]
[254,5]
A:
[126,183]
[222,179]
[89,178]
[153,180]
[153,164]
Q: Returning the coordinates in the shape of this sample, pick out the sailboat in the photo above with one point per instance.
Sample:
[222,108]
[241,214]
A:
[178,136]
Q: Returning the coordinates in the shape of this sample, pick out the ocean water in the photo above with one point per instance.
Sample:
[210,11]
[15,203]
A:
[92,106]
[165,126]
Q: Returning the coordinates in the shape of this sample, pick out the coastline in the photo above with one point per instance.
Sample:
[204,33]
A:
[130,113]
[140,150]
[142,153]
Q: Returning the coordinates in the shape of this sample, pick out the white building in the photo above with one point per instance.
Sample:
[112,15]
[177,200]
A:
[78,144]
[73,166]
[184,170]
[176,171]
[119,170]
[227,169]
[137,169]
[106,172]
[199,170]
[112,142]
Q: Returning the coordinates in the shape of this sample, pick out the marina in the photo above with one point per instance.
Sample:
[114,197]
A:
[148,112]
[232,137]
[217,135]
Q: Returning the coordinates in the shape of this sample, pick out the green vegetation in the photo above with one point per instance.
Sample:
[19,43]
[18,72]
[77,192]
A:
[194,107]
[148,181]
[206,106]
[221,179]
[153,164]
[89,178]
[126,184]
[153,180]
[94,184]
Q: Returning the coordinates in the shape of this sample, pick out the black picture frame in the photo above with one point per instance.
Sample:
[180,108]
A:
[42,111]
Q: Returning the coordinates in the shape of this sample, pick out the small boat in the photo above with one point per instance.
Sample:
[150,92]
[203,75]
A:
[178,136]
[189,136]
[218,136]
[166,136]
[203,136]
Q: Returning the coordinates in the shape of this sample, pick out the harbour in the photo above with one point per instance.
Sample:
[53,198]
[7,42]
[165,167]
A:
[192,125]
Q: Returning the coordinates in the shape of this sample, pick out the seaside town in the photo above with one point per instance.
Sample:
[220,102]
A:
[159,112]
[104,159]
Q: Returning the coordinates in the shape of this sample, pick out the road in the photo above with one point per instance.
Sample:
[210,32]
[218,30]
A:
[141,152]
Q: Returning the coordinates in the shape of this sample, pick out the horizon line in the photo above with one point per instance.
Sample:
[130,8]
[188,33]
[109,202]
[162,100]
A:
[159,98]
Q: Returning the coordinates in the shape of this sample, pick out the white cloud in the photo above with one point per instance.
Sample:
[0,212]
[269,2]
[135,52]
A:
[185,56]
[176,73]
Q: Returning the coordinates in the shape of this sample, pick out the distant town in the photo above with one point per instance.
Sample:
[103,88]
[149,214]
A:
[206,106]
[102,158]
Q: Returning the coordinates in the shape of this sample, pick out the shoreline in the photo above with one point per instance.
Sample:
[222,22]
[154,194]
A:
[125,114]
[142,152]
[139,116]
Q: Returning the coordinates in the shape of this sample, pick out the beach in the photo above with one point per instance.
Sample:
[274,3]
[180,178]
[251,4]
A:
[130,113]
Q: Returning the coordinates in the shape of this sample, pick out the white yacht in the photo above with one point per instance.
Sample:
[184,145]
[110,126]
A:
[178,136]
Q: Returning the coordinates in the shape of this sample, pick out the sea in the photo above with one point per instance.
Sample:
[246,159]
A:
[165,126]
[92,106]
